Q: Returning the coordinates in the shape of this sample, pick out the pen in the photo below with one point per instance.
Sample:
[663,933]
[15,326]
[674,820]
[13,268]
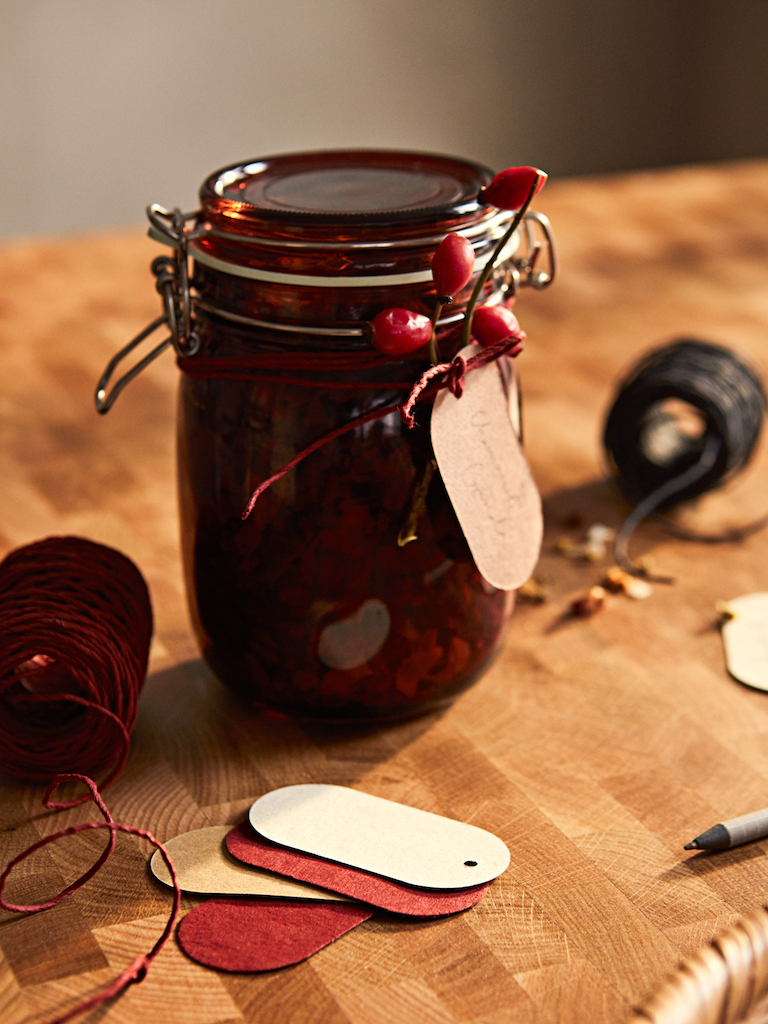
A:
[732,833]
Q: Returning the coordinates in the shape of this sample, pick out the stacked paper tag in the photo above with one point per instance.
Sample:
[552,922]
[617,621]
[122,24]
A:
[314,861]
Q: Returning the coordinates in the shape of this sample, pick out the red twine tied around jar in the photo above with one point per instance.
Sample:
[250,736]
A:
[137,970]
[75,628]
[246,367]
[426,386]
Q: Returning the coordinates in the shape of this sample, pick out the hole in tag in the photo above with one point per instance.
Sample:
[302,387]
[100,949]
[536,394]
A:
[471,863]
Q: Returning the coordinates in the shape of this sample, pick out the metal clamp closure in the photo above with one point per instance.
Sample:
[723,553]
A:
[172,282]
[522,271]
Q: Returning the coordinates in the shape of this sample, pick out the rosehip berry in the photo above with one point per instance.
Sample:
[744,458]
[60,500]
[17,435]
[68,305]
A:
[510,188]
[452,266]
[397,331]
[493,323]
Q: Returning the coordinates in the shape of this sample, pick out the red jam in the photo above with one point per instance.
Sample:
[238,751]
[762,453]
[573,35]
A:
[311,607]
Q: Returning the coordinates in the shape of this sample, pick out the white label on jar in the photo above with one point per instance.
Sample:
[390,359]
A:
[349,643]
[487,478]
[372,834]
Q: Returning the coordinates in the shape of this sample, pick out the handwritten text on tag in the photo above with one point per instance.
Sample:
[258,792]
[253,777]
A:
[487,478]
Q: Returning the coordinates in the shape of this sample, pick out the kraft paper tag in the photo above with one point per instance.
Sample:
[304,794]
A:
[372,834]
[203,866]
[745,638]
[487,478]
[511,386]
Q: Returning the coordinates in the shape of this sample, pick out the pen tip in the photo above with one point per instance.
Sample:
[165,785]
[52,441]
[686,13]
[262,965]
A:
[693,845]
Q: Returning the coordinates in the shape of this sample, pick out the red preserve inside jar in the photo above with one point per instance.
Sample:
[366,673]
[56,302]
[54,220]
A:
[311,606]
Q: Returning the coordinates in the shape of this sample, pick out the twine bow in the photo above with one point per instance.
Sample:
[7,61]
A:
[456,371]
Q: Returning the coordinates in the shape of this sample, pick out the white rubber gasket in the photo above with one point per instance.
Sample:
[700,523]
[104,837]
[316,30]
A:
[315,281]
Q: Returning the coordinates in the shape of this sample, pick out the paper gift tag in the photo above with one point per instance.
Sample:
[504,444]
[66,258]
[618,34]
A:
[204,866]
[745,638]
[261,935]
[372,834]
[511,388]
[487,478]
[243,843]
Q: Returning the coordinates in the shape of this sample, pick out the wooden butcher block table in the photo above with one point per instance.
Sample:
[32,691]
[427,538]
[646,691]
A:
[594,748]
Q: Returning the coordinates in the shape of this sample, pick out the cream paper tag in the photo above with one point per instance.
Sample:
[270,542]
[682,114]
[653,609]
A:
[203,866]
[745,638]
[372,834]
[487,478]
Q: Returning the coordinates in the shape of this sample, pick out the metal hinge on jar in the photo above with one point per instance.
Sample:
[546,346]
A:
[172,282]
[524,271]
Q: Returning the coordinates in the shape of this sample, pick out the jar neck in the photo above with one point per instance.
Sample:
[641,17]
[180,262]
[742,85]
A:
[224,338]
[318,276]
[342,325]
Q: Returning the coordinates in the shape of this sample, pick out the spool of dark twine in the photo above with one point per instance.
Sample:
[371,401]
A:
[685,420]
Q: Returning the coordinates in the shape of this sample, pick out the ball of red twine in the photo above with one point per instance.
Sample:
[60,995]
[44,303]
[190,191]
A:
[75,629]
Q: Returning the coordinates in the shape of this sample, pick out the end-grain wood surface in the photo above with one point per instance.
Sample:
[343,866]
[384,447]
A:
[595,748]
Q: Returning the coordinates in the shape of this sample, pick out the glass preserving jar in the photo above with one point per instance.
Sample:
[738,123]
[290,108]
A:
[349,593]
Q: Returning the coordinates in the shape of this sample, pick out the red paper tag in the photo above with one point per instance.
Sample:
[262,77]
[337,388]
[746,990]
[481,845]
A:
[263,934]
[244,844]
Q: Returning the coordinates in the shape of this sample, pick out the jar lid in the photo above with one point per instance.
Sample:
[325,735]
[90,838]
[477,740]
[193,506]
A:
[347,186]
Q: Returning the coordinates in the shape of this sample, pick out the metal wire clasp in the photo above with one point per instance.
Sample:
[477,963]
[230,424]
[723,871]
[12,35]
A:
[172,282]
[523,271]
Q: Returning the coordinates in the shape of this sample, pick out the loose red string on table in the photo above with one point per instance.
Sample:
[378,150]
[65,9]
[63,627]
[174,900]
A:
[75,629]
[453,375]
[137,969]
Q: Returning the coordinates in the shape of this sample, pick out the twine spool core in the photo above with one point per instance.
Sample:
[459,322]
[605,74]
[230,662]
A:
[685,420]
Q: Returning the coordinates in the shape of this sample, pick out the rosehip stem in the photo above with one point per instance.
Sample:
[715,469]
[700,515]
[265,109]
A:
[492,260]
[433,356]
[418,504]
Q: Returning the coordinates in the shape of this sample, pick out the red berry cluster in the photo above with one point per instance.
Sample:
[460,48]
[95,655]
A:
[400,331]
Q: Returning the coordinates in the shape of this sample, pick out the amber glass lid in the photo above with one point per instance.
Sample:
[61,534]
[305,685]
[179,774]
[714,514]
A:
[348,187]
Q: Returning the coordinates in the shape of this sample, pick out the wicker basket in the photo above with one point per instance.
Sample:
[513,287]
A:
[726,982]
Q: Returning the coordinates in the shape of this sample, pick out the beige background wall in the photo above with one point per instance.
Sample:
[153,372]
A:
[106,105]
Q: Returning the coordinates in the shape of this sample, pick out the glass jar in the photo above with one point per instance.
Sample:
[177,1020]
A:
[317,605]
